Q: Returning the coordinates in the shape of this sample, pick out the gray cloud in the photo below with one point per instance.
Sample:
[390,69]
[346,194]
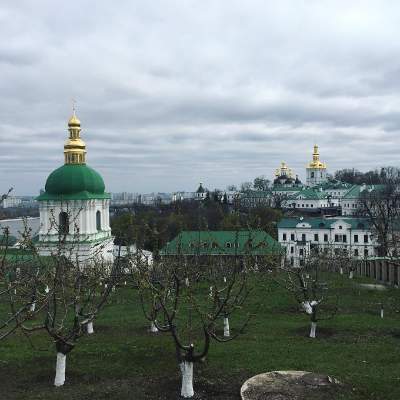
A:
[173,92]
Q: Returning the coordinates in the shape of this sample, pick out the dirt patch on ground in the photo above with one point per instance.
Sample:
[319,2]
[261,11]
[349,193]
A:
[321,332]
[37,386]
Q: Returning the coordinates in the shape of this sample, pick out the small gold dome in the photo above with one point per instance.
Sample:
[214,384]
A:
[74,121]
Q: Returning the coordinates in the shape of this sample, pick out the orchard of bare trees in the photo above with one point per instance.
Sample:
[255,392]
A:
[199,301]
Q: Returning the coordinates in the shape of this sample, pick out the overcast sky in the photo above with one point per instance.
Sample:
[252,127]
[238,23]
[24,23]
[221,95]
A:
[171,93]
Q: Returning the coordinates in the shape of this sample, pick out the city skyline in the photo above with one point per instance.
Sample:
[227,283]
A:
[170,95]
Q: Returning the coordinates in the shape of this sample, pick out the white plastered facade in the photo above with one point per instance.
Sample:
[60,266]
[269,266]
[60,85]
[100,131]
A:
[89,234]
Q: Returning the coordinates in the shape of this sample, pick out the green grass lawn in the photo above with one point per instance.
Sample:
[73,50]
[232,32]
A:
[123,361]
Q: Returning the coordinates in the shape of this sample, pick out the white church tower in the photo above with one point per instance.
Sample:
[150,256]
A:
[74,208]
[316,170]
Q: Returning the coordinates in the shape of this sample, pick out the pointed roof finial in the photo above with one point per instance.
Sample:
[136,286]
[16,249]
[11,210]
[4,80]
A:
[74,121]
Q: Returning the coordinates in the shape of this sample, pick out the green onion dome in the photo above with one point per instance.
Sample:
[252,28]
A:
[74,182]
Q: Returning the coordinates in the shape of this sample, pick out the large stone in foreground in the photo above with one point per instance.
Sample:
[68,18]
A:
[292,385]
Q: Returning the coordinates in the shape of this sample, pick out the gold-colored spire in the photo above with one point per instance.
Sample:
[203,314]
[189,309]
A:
[74,148]
[316,163]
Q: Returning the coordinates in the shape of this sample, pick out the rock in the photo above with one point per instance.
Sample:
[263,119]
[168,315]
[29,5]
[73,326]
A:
[292,385]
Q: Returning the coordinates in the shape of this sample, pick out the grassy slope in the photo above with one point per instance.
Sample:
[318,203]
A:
[123,361]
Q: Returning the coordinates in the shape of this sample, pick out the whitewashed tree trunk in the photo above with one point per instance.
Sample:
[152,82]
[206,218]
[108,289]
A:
[153,328]
[60,369]
[32,307]
[226,327]
[313,329]
[90,329]
[341,270]
[351,275]
[187,379]
[381,312]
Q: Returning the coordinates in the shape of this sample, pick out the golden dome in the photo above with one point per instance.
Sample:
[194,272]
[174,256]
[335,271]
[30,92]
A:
[316,163]
[74,121]
[74,147]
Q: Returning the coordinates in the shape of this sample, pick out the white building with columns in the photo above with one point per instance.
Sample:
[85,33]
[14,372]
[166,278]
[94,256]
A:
[74,209]
[332,235]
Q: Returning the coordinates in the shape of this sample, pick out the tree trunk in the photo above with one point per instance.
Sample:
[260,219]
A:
[341,270]
[226,327]
[313,330]
[32,307]
[351,275]
[153,328]
[60,369]
[90,329]
[381,312]
[187,379]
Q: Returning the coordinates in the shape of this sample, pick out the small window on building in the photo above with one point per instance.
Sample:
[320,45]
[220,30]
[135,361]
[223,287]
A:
[316,237]
[98,220]
[228,245]
[344,239]
[356,252]
[325,237]
[63,223]
[355,238]
[365,238]
[284,237]
[292,236]
[301,252]
[340,227]
[292,250]
[365,252]
[303,237]
[336,238]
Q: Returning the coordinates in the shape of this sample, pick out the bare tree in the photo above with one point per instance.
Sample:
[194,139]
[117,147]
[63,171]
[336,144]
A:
[76,291]
[381,205]
[18,281]
[311,292]
[188,299]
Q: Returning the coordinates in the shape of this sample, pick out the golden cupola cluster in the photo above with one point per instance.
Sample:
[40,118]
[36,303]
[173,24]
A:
[75,147]
[316,162]
[284,170]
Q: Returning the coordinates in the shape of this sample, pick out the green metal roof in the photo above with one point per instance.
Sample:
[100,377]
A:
[309,194]
[324,223]
[278,188]
[334,185]
[356,190]
[74,182]
[216,243]
[257,193]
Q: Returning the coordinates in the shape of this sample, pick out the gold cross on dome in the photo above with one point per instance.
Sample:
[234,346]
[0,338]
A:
[73,105]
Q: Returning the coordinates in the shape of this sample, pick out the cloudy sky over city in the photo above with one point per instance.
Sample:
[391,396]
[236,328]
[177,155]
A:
[171,93]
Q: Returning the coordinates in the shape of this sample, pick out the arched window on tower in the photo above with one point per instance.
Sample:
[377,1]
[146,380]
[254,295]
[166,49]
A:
[63,223]
[98,220]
